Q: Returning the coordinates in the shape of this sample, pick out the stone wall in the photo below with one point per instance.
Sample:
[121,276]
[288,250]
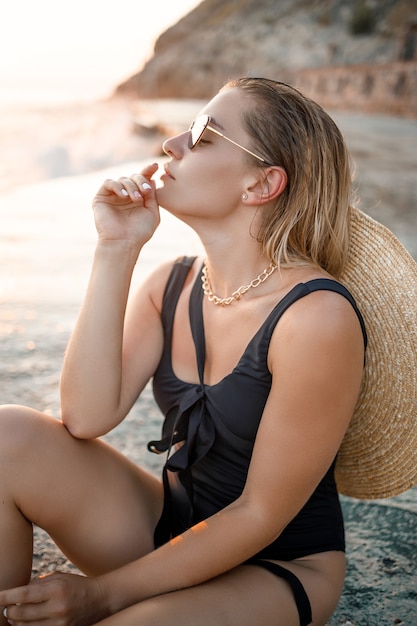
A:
[389,89]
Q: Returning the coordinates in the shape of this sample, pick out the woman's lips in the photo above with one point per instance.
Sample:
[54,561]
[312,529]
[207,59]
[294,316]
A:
[168,173]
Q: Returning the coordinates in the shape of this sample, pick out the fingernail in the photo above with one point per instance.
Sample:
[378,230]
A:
[124,192]
[136,194]
[146,186]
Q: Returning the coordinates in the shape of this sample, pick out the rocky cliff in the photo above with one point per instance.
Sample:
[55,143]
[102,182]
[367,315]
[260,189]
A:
[291,40]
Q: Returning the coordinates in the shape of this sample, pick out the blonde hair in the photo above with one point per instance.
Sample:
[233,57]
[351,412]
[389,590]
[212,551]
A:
[309,222]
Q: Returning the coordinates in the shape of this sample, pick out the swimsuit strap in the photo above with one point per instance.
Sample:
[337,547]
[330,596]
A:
[327,284]
[300,596]
[173,289]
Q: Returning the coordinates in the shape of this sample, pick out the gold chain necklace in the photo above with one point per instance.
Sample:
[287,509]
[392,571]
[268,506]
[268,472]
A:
[236,295]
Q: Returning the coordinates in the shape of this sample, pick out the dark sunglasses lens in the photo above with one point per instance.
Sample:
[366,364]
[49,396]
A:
[196,130]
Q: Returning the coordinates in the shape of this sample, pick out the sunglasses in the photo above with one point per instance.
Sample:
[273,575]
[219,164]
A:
[201,124]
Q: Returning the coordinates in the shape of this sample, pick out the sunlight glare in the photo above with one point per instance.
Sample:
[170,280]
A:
[86,46]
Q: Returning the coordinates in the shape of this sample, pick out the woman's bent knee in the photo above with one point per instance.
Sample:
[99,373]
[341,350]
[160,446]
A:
[21,428]
[16,411]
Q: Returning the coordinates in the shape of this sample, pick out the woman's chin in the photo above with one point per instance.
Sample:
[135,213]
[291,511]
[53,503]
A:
[160,196]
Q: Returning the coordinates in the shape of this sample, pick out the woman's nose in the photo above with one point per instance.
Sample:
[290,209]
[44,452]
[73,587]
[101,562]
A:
[175,146]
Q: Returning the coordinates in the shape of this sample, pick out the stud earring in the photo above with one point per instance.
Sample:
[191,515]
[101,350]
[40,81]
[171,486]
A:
[244,196]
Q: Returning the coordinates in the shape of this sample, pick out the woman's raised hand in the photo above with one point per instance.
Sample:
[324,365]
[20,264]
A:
[127,209]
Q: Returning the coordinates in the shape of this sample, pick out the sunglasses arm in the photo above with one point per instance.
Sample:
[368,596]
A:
[217,132]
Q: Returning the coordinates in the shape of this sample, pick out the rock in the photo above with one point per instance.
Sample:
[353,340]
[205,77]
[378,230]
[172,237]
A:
[283,40]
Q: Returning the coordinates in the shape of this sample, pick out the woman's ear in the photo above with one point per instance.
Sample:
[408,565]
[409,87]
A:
[270,185]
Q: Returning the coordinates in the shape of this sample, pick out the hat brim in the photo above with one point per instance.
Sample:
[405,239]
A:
[378,456]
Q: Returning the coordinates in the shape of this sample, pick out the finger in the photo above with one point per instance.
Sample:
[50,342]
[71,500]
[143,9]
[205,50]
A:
[110,186]
[32,603]
[118,188]
[149,170]
[25,613]
[130,188]
[6,615]
[143,184]
[22,595]
[139,182]
[120,185]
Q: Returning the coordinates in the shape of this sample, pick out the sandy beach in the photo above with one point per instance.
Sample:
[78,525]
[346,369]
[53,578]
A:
[47,239]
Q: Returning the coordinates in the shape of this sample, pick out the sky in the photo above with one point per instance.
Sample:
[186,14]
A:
[78,49]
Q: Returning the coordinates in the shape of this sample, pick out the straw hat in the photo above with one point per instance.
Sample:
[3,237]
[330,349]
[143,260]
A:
[378,456]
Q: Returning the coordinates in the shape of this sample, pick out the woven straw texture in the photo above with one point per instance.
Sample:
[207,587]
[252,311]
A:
[378,456]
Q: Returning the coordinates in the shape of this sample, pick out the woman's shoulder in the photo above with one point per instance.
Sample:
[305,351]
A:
[323,318]
[157,280]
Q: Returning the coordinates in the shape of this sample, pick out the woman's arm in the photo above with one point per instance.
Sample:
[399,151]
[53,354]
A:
[316,359]
[102,375]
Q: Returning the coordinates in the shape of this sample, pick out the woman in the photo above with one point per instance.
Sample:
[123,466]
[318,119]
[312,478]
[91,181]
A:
[258,384]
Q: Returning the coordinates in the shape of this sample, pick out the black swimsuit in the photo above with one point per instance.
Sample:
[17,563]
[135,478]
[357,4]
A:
[209,433]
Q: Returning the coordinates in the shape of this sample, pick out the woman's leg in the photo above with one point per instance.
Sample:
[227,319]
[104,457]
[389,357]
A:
[100,508]
[245,596]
